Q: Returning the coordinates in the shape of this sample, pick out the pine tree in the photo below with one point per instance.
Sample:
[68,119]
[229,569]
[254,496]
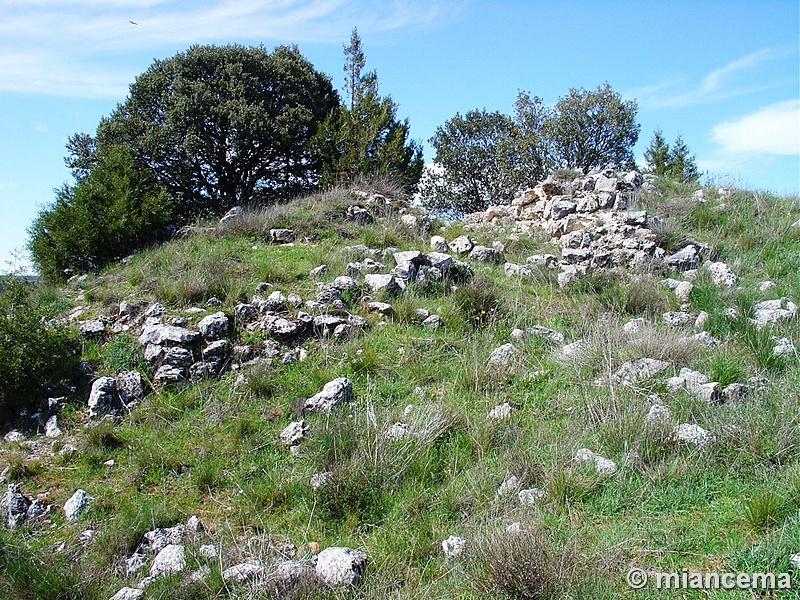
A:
[681,164]
[657,154]
[365,139]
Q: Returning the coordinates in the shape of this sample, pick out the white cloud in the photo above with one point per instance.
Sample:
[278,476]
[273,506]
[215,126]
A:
[774,129]
[719,84]
[90,48]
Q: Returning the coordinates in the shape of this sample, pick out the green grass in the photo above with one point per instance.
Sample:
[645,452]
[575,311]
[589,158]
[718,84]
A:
[212,449]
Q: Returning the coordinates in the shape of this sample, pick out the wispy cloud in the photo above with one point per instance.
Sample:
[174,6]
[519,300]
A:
[93,48]
[719,84]
[774,129]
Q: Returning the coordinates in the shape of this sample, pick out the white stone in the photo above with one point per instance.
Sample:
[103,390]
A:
[692,434]
[76,504]
[794,559]
[335,392]
[658,413]
[604,466]
[784,347]
[454,546]
[531,496]
[51,429]
[508,486]
[293,433]
[170,560]
[501,411]
[501,355]
[242,572]
[340,566]
[722,274]
[128,593]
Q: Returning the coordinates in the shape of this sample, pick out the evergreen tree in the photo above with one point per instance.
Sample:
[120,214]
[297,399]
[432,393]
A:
[675,162]
[657,154]
[365,139]
[681,164]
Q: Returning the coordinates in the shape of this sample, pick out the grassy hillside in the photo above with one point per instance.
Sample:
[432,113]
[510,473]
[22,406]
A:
[212,448]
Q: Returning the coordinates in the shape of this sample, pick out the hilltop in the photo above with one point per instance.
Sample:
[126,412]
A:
[342,396]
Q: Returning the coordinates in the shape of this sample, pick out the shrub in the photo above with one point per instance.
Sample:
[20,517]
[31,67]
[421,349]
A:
[111,212]
[479,301]
[35,356]
[524,565]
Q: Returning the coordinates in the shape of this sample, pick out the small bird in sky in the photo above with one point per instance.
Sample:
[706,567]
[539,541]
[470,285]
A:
[133,22]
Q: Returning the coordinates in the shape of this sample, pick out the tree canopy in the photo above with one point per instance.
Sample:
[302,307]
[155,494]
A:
[221,125]
[675,162]
[363,139]
[484,158]
[114,209]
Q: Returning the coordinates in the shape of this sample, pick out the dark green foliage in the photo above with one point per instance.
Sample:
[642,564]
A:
[113,210]
[478,153]
[594,129]
[365,140]
[675,162]
[485,157]
[223,125]
[35,357]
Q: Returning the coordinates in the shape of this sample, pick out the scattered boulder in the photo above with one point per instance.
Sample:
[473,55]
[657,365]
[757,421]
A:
[294,432]
[685,259]
[243,572]
[500,412]
[721,274]
[76,504]
[501,356]
[214,326]
[14,506]
[455,546]
[531,496]
[692,434]
[104,398]
[461,245]
[604,466]
[128,593]
[484,254]
[281,236]
[771,311]
[170,560]
[335,392]
[340,566]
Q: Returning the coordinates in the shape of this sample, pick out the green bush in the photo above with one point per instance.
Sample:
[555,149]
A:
[111,212]
[35,356]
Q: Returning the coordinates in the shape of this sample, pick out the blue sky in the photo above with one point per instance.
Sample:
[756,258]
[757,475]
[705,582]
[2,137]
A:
[724,74]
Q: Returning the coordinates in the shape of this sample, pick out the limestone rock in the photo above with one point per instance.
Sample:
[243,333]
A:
[454,546]
[692,434]
[294,432]
[531,496]
[722,274]
[243,572]
[461,245]
[501,356]
[213,326]
[128,593]
[281,236]
[104,397]
[334,393]
[771,311]
[13,506]
[340,566]
[604,466]
[170,560]
[76,504]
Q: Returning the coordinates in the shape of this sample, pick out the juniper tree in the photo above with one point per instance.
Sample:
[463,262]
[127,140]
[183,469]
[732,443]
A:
[364,139]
